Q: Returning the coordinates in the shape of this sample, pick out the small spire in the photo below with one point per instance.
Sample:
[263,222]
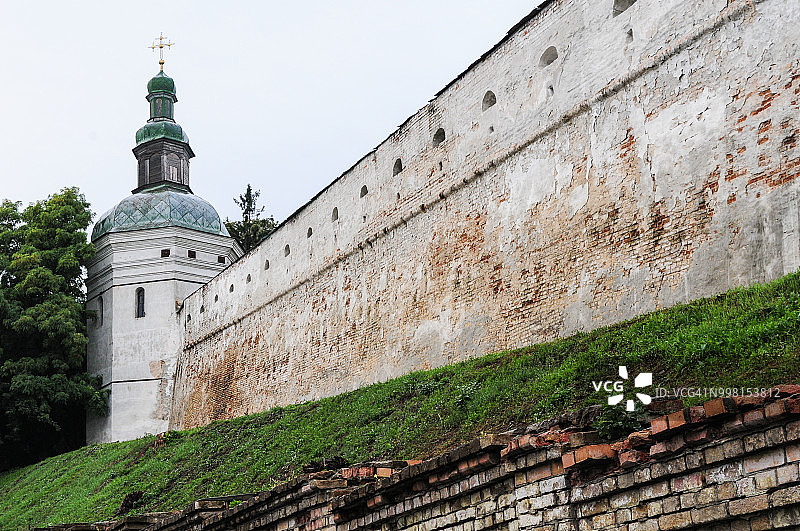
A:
[160,45]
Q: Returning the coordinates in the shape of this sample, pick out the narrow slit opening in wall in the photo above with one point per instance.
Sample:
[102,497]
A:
[165,253]
[309,233]
[230,289]
[550,91]
[364,191]
[266,265]
[221,259]
[548,57]
[438,137]
[216,298]
[191,254]
[489,99]
[398,167]
[139,302]
[629,35]
[335,214]
[249,279]
[286,250]
[202,309]
[621,6]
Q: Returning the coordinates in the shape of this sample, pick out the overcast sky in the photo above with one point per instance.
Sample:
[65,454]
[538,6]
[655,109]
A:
[284,95]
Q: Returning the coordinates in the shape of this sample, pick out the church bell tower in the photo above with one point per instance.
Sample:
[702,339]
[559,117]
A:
[162,148]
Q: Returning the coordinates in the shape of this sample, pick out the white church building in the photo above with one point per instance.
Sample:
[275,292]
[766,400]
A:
[154,248]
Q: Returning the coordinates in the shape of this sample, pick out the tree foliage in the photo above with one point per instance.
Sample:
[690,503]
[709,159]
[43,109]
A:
[252,228]
[44,387]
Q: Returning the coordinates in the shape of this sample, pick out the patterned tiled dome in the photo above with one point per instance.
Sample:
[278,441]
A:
[164,205]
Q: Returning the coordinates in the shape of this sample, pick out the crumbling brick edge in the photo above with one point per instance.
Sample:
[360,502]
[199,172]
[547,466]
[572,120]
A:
[731,461]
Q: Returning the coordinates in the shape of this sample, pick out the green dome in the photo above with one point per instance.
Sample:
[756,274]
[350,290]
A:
[164,205]
[161,82]
[165,129]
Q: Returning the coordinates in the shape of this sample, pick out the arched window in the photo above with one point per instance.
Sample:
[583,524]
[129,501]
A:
[139,302]
[309,233]
[489,99]
[548,56]
[286,250]
[438,137]
[364,191]
[398,167]
[99,311]
[621,5]
[335,214]
[266,264]
[249,279]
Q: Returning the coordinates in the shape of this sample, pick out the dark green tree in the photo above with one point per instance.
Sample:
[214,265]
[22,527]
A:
[253,228]
[44,387]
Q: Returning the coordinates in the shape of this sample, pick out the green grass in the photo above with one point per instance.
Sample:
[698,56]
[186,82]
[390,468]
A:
[747,337]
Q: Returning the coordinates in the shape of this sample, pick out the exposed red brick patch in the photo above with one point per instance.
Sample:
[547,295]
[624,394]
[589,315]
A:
[375,501]
[659,425]
[753,417]
[639,439]
[689,482]
[659,449]
[540,472]
[718,406]
[698,436]
[382,472]
[696,414]
[776,409]
[732,425]
[677,419]
[631,458]
[743,403]
[786,390]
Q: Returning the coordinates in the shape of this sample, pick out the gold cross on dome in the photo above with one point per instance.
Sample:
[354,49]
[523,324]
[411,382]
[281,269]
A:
[160,45]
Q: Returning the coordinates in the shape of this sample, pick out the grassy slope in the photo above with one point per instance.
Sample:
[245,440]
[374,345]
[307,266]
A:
[745,337]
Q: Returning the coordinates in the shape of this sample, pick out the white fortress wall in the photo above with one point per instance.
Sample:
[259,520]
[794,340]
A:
[611,180]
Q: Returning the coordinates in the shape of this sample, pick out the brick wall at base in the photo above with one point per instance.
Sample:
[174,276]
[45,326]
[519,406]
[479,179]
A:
[730,464]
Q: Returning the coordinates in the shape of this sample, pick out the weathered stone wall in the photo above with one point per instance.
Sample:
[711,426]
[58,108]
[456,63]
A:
[728,464]
[652,162]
